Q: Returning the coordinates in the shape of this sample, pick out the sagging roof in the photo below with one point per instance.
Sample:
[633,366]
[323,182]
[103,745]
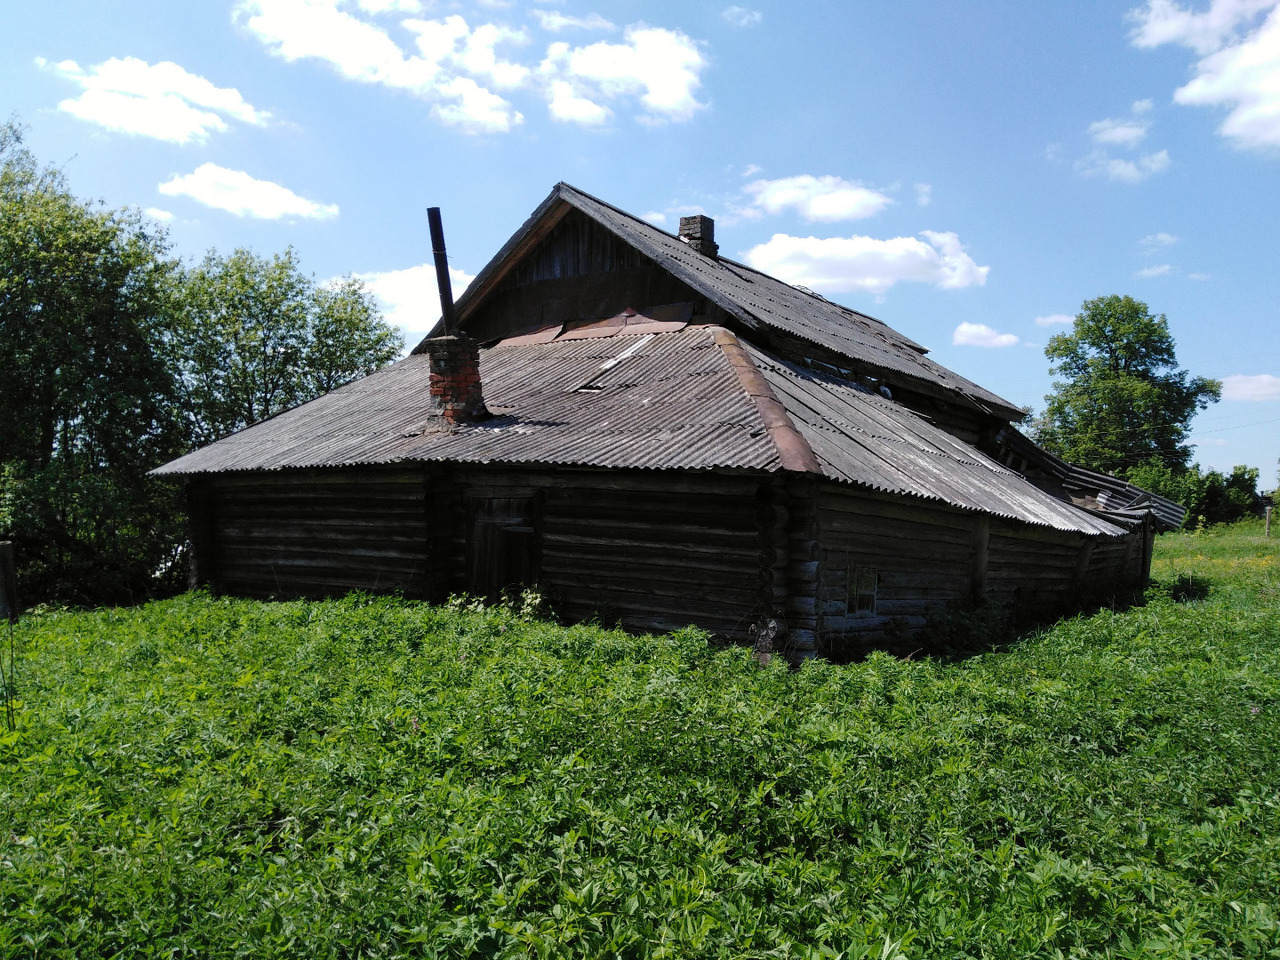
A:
[755,299]
[1100,491]
[693,399]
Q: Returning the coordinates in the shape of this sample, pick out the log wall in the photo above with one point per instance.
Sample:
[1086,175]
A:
[922,555]
[650,550]
[315,533]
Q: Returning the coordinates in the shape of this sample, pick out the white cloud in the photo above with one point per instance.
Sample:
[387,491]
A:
[1154,242]
[842,264]
[742,17]
[453,59]
[924,194]
[237,192]
[1239,65]
[474,108]
[1164,21]
[410,298]
[565,104]
[1262,386]
[655,217]
[1100,164]
[459,70]
[1055,320]
[661,67]
[159,100]
[980,335]
[817,198]
[751,169]
[155,213]
[390,6]
[1114,132]
[1199,277]
[553,21]
[1140,107]
[1158,270]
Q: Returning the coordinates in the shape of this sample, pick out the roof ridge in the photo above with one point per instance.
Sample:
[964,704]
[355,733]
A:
[794,452]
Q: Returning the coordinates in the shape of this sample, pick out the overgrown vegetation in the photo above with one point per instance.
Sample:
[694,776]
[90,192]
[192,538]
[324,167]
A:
[366,778]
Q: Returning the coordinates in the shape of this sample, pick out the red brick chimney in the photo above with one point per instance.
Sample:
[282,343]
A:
[700,233]
[455,378]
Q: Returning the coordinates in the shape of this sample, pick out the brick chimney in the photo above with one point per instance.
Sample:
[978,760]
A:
[700,232]
[455,378]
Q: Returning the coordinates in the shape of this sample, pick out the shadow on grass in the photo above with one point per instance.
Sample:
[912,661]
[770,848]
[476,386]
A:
[960,634]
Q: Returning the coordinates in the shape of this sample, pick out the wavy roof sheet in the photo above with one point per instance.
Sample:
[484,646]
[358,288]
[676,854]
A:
[655,401]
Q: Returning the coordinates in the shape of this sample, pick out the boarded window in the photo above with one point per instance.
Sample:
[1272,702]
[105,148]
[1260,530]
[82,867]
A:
[502,545]
[862,590]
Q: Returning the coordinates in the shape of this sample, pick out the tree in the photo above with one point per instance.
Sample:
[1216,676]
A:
[258,336]
[1123,401]
[87,405]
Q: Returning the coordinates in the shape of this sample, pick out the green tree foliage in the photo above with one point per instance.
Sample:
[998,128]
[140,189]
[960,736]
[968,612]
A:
[1209,496]
[1122,400]
[257,336]
[116,359]
[87,403]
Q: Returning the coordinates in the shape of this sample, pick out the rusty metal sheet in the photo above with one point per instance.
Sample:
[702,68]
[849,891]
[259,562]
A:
[673,402]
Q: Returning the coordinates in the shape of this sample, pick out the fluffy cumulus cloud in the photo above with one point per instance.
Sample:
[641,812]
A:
[1238,45]
[1257,387]
[410,299]
[160,100]
[1055,320]
[816,198]
[236,192]
[742,16]
[866,264]
[980,335]
[470,73]
[658,67]
[454,65]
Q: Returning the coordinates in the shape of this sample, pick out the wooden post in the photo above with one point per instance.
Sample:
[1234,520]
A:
[9,610]
[1268,521]
[8,583]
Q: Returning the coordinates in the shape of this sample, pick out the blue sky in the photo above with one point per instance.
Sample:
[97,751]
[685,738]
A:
[968,173]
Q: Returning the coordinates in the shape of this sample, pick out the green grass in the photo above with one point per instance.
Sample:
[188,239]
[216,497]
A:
[367,778]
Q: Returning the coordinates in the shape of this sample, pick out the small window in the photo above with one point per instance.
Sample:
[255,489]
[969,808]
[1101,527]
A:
[862,590]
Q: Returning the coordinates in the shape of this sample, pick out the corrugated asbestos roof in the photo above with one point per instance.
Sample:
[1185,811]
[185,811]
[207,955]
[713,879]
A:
[1113,495]
[673,402]
[755,299]
[865,439]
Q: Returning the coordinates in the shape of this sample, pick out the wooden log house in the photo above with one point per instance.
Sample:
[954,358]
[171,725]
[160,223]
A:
[656,435]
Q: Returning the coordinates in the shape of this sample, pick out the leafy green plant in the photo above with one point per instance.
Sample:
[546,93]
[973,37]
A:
[368,778]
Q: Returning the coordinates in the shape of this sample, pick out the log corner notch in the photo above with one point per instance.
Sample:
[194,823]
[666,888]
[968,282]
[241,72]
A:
[794,452]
